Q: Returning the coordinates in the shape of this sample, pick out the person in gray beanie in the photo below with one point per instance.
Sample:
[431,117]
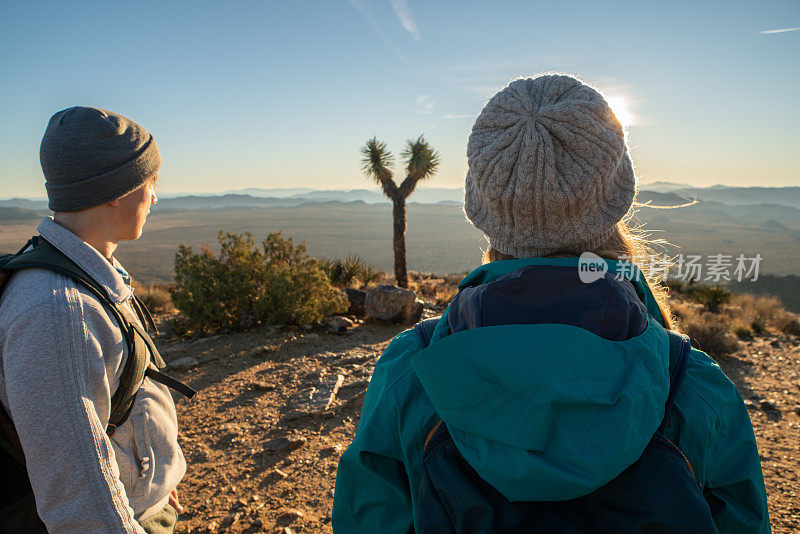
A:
[91,156]
[63,352]
[541,398]
[549,169]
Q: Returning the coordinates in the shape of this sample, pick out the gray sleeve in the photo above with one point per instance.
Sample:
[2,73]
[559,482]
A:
[59,398]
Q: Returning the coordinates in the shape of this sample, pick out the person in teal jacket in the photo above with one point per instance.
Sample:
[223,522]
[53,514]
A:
[551,377]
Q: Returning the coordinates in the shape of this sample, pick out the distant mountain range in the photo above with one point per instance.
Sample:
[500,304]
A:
[751,199]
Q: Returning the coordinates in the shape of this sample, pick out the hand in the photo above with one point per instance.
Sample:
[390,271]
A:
[173,501]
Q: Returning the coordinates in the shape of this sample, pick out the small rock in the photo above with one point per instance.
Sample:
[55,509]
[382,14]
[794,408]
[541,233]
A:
[319,398]
[284,444]
[280,473]
[333,449]
[290,514]
[183,363]
[339,324]
[263,386]
[286,530]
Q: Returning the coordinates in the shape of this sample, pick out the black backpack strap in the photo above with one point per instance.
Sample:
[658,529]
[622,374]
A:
[144,314]
[424,330]
[679,348]
[9,440]
[170,382]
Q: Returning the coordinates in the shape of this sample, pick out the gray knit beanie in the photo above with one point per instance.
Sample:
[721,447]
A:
[91,156]
[548,168]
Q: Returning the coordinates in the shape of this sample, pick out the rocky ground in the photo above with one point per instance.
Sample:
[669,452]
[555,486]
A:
[277,407]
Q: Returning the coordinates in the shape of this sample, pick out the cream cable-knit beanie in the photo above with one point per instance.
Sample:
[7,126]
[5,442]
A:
[549,170]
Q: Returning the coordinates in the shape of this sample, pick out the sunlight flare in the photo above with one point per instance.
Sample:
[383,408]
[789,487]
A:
[622,109]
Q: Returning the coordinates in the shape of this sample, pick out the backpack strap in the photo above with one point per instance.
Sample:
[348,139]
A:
[141,349]
[9,439]
[679,348]
[424,330]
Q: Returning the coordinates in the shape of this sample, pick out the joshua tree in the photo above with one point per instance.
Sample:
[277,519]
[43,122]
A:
[421,162]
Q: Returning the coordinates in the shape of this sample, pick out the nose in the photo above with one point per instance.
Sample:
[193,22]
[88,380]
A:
[154,198]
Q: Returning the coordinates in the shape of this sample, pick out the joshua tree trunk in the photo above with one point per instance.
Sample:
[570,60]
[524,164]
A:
[421,162]
[399,216]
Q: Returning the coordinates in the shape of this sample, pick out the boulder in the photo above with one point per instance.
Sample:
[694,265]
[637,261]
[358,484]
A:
[356,298]
[392,303]
[415,312]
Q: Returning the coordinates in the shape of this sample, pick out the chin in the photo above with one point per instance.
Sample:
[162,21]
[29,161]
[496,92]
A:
[133,236]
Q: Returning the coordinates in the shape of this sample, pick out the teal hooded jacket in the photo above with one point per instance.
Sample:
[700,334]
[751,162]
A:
[544,412]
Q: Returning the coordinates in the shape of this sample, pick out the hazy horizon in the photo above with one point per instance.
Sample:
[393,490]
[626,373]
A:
[375,189]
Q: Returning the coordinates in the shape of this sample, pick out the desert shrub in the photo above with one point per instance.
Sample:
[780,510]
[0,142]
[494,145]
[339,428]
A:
[709,333]
[759,312]
[445,293]
[245,286]
[343,273]
[740,329]
[425,288]
[788,323]
[711,297]
[431,287]
[156,297]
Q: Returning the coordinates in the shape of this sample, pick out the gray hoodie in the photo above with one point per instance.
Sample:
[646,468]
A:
[61,356]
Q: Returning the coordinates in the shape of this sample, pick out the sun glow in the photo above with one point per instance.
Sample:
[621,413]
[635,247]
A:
[621,108]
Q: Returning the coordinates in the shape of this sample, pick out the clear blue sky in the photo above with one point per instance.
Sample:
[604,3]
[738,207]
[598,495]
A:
[283,94]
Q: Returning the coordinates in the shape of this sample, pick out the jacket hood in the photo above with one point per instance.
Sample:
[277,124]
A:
[550,386]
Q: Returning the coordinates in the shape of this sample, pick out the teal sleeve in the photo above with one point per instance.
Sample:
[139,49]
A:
[372,489]
[712,427]
[734,487]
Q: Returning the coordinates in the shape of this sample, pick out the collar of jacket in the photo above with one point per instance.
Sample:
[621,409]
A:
[108,275]
[494,270]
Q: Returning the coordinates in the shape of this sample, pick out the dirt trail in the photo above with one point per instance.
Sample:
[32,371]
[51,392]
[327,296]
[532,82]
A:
[277,408]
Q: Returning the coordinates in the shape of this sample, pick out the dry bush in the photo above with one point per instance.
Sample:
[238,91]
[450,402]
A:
[708,331]
[445,294]
[156,297]
[431,287]
[758,313]
[424,288]
[788,323]
[741,329]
